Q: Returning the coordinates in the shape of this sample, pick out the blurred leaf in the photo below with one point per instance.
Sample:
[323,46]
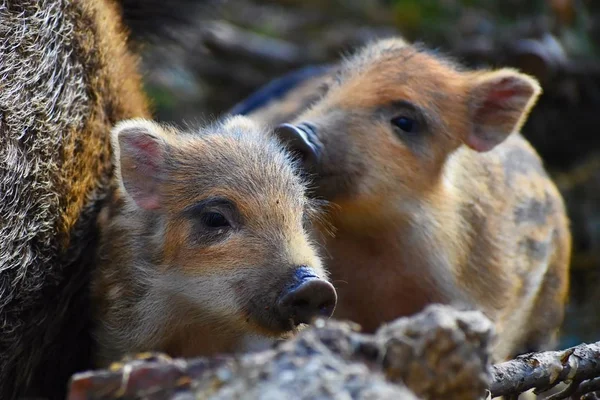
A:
[408,14]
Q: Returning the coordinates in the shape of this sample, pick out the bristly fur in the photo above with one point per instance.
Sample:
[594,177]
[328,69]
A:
[168,282]
[65,79]
[455,208]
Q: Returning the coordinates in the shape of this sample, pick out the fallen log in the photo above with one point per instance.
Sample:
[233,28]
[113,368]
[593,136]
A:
[439,353]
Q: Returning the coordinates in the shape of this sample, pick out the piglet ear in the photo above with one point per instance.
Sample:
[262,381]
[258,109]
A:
[499,104]
[139,149]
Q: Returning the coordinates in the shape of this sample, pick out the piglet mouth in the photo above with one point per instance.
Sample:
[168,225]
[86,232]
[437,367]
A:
[303,297]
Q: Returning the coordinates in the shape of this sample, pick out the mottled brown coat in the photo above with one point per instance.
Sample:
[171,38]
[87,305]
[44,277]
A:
[459,210]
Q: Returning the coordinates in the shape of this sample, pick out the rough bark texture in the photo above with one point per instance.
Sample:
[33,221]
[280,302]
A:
[440,353]
[545,370]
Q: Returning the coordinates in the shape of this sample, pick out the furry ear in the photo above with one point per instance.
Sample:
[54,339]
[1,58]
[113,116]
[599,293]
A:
[499,104]
[139,149]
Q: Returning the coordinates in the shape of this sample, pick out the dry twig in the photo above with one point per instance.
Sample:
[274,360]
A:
[579,366]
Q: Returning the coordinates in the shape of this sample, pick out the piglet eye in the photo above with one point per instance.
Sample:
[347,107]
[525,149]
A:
[408,125]
[214,219]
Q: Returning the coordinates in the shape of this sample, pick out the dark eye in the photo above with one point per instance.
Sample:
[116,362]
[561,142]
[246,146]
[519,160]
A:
[408,125]
[214,220]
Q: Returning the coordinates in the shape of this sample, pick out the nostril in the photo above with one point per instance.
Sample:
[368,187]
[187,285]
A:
[300,303]
[324,308]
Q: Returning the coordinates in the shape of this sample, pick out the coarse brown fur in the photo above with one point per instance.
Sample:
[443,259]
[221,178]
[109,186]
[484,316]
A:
[459,212]
[65,79]
[167,281]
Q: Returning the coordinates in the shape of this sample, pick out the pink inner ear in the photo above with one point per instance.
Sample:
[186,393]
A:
[478,144]
[147,152]
[501,103]
[501,94]
[506,91]
[149,202]
[141,156]
[146,145]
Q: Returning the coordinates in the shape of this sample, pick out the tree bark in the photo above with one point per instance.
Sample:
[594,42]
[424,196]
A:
[577,366]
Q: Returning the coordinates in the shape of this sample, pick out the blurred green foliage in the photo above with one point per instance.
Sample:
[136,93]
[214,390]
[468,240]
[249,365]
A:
[431,20]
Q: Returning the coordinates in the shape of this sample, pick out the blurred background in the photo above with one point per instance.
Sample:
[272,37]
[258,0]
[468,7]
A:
[234,47]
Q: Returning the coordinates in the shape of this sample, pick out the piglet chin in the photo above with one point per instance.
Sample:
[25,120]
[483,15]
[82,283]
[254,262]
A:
[255,343]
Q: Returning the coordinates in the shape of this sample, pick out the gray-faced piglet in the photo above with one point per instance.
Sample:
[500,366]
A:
[205,243]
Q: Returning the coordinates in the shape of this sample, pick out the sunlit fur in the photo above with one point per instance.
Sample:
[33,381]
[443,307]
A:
[462,212]
[160,288]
